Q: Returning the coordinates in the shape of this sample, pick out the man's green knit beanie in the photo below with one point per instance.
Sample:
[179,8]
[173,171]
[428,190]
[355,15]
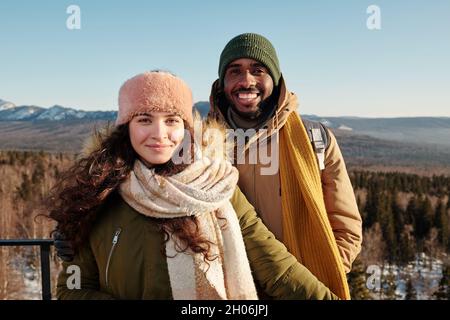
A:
[252,46]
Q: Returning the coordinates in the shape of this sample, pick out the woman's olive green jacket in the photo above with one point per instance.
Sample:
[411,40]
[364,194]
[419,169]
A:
[123,259]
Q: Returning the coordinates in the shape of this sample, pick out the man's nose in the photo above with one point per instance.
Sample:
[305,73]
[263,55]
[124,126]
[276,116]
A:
[247,80]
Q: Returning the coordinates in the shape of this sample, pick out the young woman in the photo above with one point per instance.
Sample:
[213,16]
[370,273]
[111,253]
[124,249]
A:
[145,226]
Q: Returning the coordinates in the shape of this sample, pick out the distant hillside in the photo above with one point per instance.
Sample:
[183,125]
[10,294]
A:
[55,129]
[426,130]
[360,151]
[55,136]
[393,142]
[420,130]
[416,130]
[365,152]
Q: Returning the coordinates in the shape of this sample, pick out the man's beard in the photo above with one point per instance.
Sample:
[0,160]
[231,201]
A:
[264,107]
[248,115]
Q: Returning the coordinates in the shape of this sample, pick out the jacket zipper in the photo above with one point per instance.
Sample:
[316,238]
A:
[114,243]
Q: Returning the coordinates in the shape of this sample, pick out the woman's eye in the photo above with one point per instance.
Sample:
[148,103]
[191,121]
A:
[144,120]
[172,121]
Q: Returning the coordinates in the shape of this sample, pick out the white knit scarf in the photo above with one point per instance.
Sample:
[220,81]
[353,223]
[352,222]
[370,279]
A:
[201,189]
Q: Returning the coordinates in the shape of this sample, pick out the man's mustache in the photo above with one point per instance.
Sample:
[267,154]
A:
[247,90]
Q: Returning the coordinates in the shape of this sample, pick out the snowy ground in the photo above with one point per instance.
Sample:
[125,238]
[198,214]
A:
[23,276]
[425,274]
[24,281]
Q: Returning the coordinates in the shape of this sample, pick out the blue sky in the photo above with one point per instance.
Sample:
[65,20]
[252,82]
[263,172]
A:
[330,59]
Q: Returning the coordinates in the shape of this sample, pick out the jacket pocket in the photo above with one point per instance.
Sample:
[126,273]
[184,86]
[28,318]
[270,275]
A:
[115,239]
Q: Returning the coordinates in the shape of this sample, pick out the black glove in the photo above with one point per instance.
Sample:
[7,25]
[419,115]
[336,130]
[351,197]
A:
[64,249]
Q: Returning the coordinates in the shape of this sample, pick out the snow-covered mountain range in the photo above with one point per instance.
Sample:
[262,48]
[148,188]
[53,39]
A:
[10,112]
[418,130]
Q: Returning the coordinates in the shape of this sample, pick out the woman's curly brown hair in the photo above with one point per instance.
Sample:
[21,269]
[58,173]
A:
[75,200]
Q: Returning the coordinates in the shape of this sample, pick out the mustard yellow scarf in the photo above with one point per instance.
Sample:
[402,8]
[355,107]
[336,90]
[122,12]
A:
[306,229]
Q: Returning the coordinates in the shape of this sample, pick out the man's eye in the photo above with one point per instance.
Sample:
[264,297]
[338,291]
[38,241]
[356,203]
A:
[234,71]
[259,71]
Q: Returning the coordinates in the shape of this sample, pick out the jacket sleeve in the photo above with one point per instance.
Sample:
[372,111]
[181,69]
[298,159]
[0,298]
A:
[277,272]
[89,278]
[341,206]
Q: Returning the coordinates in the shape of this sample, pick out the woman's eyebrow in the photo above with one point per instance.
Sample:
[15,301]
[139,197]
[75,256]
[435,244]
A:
[170,115]
[162,116]
[144,114]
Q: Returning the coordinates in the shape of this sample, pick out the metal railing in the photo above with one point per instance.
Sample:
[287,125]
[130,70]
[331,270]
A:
[44,245]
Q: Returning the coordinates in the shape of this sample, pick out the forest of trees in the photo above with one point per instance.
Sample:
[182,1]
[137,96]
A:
[405,222]
[25,178]
[405,217]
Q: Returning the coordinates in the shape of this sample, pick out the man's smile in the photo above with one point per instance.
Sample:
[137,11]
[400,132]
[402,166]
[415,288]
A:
[247,98]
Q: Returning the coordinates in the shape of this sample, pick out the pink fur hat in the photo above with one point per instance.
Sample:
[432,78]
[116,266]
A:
[154,91]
